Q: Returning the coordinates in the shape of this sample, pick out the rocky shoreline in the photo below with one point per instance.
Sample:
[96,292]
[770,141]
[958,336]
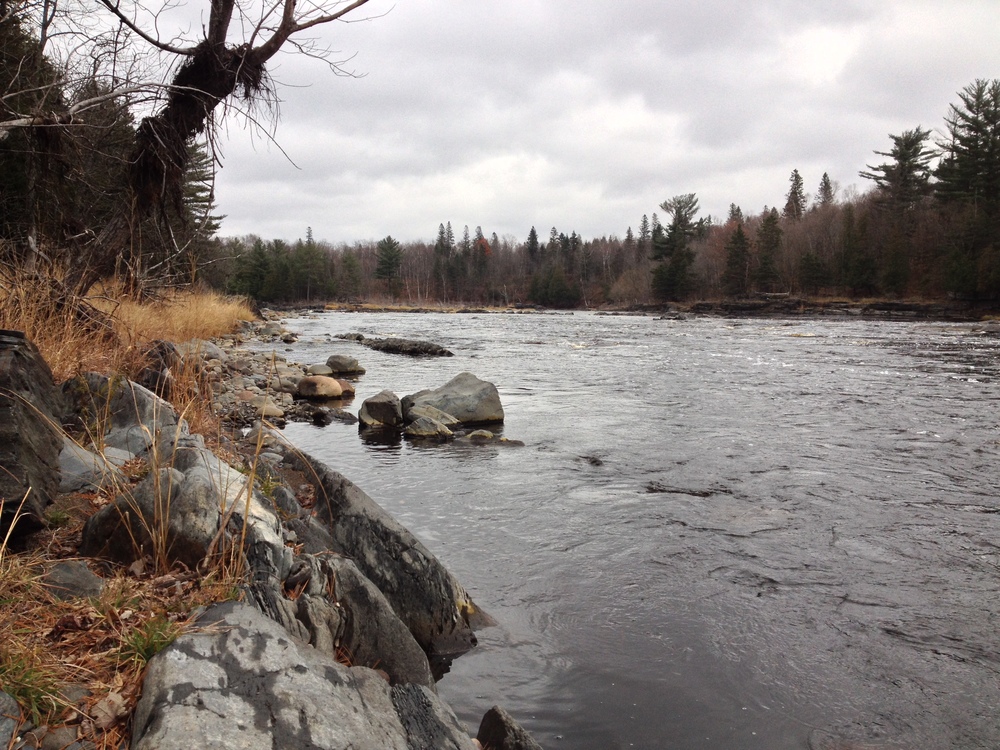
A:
[330,579]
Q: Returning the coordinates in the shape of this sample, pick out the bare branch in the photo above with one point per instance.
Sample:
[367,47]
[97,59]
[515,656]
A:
[126,21]
[289,26]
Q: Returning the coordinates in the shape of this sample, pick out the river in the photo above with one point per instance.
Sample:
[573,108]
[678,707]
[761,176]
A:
[719,533]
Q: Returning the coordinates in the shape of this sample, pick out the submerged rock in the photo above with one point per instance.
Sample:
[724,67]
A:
[427,429]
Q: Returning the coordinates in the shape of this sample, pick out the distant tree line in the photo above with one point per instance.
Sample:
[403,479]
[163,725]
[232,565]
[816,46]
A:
[928,227]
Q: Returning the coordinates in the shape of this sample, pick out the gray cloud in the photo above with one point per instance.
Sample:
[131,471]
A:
[587,116]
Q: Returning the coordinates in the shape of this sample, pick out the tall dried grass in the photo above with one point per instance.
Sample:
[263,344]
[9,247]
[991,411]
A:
[28,303]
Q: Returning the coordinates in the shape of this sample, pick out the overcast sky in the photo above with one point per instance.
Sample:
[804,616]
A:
[585,115]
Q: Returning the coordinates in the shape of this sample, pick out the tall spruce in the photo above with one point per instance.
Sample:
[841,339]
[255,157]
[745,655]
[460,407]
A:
[826,193]
[532,248]
[795,201]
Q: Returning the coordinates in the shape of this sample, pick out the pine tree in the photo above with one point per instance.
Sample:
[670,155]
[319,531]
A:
[736,278]
[768,247]
[442,256]
[252,268]
[466,246]
[682,228]
[671,246]
[388,259]
[311,275]
[969,170]
[906,179]
[812,272]
[350,275]
[826,194]
[532,247]
[735,213]
[795,203]
[630,248]
[645,235]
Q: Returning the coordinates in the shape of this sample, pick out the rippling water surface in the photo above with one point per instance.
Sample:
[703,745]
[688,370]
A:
[719,534]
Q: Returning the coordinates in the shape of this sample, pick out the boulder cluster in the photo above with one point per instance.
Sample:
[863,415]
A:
[452,410]
[340,576]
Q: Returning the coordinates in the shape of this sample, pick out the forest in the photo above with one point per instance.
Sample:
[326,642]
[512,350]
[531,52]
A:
[106,175]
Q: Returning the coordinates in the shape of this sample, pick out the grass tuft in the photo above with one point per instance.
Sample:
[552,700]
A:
[146,641]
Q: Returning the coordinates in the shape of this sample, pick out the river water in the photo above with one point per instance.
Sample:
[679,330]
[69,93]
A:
[719,533]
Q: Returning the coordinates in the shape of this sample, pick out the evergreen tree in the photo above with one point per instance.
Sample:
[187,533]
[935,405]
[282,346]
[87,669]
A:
[826,194]
[736,278]
[969,170]
[857,266]
[466,246]
[671,247]
[906,179]
[795,203]
[252,269]
[551,288]
[193,230]
[311,276]
[277,284]
[630,247]
[735,213]
[532,248]
[683,227]
[442,260]
[813,274]
[645,236]
[350,275]
[481,252]
[768,247]
[388,259]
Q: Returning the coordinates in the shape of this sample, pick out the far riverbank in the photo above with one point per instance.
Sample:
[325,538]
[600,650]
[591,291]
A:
[763,307]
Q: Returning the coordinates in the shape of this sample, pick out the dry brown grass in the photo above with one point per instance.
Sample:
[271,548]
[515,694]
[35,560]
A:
[27,303]
[173,315]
